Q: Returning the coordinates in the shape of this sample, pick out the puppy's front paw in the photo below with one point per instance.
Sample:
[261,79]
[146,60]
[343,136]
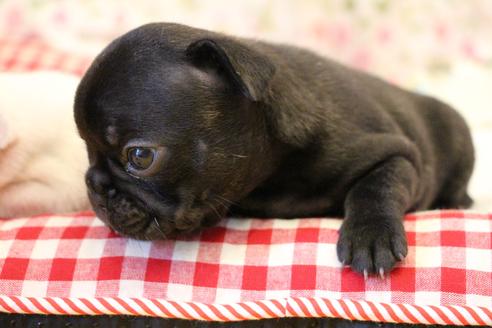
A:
[372,247]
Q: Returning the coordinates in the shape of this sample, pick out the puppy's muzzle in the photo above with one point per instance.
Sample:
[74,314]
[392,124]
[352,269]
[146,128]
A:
[98,182]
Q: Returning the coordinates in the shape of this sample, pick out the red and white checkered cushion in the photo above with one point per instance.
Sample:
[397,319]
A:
[246,269]
[241,269]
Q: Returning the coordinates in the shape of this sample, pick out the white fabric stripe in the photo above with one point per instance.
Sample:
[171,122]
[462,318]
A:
[324,308]
[47,305]
[433,314]
[466,315]
[450,315]
[64,305]
[243,312]
[384,313]
[309,306]
[226,313]
[295,308]
[116,305]
[206,309]
[190,311]
[483,316]
[415,313]
[12,304]
[354,311]
[368,311]
[82,306]
[153,307]
[399,313]
[168,306]
[274,309]
[134,306]
[27,303]
[98,305]
[256,308]
[339,309]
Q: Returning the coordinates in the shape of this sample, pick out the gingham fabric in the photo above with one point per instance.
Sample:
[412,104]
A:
[32,54]
[246,269]
[243,268]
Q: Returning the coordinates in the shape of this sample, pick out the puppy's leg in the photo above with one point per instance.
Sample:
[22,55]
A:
[372,237]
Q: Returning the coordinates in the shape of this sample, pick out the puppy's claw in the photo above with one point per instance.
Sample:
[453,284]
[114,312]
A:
[366,274]
[381,273]
[400,257]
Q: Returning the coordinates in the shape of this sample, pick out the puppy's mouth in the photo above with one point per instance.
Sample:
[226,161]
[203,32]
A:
[131,217]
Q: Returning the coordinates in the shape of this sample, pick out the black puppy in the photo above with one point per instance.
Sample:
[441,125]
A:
[184,126]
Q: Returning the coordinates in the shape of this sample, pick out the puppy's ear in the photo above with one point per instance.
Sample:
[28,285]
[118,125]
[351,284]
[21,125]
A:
[248,70]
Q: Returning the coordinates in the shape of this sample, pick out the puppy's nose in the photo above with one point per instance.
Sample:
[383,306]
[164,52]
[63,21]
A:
[98,181]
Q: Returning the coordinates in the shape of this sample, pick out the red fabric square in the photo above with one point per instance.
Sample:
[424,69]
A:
[157,270]
[303,277]
[74,232]
[453,238]
[254,277]
[453,280]
[403,279]
[28,233]
[352,281]
[307,235]
[14,268]
[62,269]
[110,268]
[411,235]
[452,214]
[259,236]
[206,274]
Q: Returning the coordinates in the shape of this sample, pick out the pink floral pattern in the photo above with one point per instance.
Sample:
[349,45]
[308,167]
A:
[407,42]
[396,39]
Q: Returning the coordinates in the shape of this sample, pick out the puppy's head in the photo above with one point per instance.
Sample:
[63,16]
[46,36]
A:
[175,130]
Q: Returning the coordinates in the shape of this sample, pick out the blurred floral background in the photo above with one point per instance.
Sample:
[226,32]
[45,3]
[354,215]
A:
[443,47]
[439,47]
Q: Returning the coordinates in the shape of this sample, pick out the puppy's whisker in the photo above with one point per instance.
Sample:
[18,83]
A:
[213,208]
[227,155]
[228,201]
[219,202]
[158,226]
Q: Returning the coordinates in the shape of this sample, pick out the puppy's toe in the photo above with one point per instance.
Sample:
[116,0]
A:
[362,260]
[384,260]
[399,246]
[344,250]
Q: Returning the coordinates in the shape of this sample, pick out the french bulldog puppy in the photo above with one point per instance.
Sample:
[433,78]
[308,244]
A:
[185,126]
[42,159]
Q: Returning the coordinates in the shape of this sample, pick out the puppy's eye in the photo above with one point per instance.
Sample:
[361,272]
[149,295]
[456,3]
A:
[141,158]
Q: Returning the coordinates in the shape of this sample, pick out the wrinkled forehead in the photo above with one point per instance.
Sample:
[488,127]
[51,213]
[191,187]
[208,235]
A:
[142,102]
